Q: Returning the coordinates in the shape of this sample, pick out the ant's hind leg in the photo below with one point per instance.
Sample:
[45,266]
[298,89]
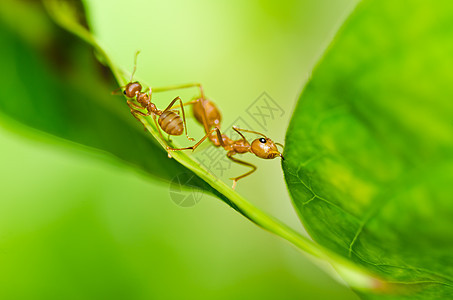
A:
[183,115]
[235,179]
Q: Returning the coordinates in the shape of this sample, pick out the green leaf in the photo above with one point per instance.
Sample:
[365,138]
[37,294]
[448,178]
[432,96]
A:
[370,145]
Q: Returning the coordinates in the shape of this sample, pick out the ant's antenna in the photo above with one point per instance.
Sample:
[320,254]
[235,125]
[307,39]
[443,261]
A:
[250,131]
[283,147]
[135,64]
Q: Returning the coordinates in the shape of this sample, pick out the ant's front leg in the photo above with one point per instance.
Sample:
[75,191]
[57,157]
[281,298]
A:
[130,103]
[181,86]
[135,112]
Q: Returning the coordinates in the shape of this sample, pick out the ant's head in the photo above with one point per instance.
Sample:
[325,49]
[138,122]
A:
[132,89]
[265,148]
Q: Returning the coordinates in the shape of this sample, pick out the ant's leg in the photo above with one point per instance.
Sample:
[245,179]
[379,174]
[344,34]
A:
[203,115]
[130,103]
[191,102]
[183,115]
[158,127]
[182,86]
[160,133]
[219,137]
[137,112]
[235,179]
[199,142]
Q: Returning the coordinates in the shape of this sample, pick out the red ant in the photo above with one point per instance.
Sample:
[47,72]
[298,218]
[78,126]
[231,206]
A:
[207,113]
[168,120]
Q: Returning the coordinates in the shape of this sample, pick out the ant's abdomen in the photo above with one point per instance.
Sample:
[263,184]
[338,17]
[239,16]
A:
[171,123]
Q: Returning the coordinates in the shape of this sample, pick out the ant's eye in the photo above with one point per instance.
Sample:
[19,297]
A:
[262,140]
[124,92]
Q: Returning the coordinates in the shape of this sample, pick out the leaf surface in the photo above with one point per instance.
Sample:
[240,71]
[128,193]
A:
[370,145]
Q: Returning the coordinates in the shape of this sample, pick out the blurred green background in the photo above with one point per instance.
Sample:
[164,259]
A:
[78,224]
